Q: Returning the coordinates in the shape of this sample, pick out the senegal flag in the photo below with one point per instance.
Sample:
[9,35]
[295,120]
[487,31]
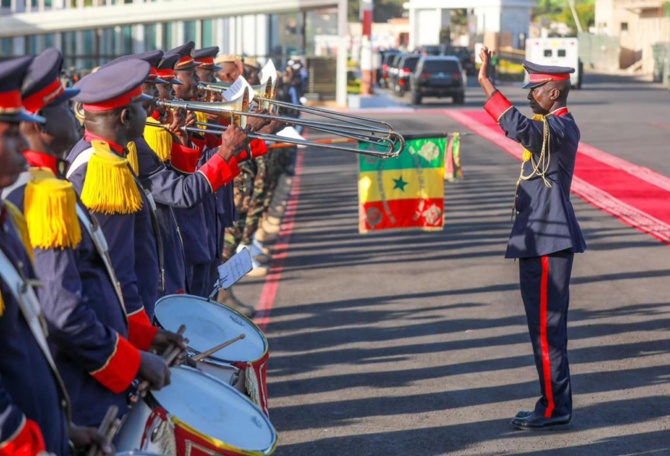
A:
[403,192]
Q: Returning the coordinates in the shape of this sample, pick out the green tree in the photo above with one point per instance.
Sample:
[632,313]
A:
[586,11]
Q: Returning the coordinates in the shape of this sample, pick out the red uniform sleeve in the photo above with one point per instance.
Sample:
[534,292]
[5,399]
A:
[26,441]
[184,159]
[219,172]
[257,148]
[121,367]
[141,332]
[212,141]
[497,105]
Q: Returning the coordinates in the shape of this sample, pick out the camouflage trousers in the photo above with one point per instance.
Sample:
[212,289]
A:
[259,192]
[280,162]
[243,189]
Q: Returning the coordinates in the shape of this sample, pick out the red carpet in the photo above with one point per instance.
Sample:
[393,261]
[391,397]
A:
[635,195]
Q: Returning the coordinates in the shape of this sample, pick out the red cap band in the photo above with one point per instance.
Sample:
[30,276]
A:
[185,61]
[541,77]
[10,101]
[165,73]
[42,98]
[206,60]
[113,103]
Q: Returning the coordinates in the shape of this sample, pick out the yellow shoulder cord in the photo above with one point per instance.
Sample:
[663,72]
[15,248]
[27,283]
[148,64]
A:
[541,165]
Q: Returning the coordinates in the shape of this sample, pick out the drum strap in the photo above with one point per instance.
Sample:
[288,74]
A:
[98,237]
[22,290]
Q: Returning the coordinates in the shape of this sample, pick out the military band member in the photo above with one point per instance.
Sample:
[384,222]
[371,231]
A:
[89,328]
[34,406]
[545,235]
[100,171]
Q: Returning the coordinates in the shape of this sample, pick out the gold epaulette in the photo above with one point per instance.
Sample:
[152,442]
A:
[133,158]
[159,139]
[50,208]
[110,187]
[19,222]
[201,117]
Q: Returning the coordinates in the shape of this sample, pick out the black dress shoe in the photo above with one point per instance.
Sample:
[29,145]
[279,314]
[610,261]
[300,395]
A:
[534,422]
[524,413]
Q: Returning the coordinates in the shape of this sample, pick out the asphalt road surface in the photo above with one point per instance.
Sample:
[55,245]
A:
[416,343]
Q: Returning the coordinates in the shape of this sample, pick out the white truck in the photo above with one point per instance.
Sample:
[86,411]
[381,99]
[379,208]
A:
[559,52]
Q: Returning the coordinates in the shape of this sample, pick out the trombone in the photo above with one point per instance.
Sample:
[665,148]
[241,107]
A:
[384,140]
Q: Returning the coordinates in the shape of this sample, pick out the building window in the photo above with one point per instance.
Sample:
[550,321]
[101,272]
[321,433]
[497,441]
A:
[7,46]
[189,31]
[624,26]
[150,36]
[6,3]
[208,33]
[561,52]
[548,53]
[167,35]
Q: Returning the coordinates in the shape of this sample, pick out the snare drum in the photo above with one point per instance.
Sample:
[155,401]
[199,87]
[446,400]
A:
[197,415]
[208,324]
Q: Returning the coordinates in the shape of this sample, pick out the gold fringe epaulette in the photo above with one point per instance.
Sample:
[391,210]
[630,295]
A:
[201,117]
[50,208]
[159,139]
[133,158]
[110,187]
[19,222]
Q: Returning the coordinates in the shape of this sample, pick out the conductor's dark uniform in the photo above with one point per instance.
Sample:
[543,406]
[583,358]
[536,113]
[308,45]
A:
[544,238]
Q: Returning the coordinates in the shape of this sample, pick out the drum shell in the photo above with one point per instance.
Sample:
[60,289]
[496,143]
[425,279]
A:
[142,422]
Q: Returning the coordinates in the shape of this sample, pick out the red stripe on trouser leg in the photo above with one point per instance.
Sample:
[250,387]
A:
[544,343]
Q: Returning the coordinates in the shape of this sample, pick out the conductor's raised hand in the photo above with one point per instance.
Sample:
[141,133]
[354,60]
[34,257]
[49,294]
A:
[233,141]
[154,370]
[485,57]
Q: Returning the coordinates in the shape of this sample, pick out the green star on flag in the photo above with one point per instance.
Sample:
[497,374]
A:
[399,184]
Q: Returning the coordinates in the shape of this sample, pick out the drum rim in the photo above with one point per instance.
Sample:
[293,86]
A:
[214,441]
[266,345]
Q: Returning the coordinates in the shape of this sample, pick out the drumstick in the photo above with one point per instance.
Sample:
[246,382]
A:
[169,355]
[213,350]
[104,427]
[171,346]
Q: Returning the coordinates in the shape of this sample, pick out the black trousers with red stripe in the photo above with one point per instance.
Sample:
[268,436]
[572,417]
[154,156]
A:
[545,289]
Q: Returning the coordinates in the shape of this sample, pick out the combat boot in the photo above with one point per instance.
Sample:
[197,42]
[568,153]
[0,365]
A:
[264,237]
[227,298]
[269,227]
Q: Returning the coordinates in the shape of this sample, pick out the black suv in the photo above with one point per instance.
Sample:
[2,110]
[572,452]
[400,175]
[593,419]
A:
[406,66]
[466,57]
[386,59]
[440,76]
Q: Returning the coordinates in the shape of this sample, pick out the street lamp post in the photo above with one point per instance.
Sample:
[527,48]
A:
[366,47]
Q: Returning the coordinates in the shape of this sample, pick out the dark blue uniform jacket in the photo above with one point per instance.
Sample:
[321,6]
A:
[545,221]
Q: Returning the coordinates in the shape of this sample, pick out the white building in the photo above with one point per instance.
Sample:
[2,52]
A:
[507,21]
[639,24]
[91,32]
